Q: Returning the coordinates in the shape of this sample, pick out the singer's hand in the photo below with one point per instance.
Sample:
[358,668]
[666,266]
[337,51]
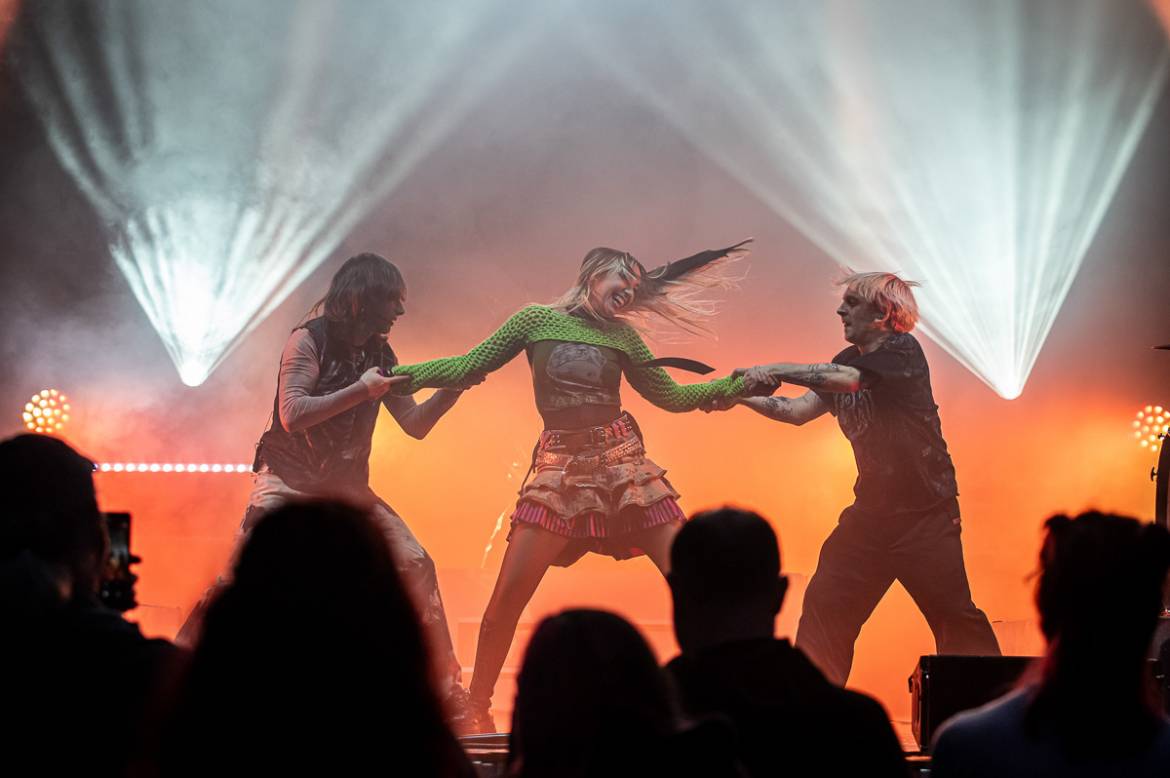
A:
[377,384]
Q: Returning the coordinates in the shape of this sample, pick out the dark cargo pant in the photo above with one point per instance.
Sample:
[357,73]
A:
[857,565]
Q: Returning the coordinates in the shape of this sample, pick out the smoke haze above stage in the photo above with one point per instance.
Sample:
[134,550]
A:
[552,157]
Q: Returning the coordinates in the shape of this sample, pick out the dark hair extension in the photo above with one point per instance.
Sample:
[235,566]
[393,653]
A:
[364,280]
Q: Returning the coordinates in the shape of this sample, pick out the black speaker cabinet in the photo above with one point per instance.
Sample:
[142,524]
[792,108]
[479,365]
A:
[943,685]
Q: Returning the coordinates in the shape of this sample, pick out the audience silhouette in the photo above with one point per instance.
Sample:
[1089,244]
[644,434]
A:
[592,701]
[727,591]
[311,659]
[1099,593]
[76,675]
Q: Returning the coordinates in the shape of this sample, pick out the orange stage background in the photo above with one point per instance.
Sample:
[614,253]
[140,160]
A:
[499,215]
[1065,445]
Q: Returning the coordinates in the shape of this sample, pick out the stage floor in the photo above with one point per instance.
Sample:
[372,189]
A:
[489,753]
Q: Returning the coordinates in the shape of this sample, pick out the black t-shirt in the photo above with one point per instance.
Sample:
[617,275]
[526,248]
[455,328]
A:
[903,467]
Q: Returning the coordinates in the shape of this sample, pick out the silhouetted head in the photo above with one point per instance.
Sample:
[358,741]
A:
[312,649]
[50,510]
[1099,593]
[725,578]
[1101,584]
[590,694]
[366,296]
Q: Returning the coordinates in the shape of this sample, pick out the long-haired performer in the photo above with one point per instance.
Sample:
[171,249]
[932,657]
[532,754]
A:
[592,487]
[334,376]
[904,523]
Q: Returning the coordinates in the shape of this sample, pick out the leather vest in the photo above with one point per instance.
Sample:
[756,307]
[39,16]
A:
[333,457]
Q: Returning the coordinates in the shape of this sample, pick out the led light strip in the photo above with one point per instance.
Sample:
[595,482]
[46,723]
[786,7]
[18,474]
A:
[169,467]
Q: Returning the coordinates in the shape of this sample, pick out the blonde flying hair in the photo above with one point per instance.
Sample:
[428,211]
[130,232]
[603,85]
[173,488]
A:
[683,303]
[890,294]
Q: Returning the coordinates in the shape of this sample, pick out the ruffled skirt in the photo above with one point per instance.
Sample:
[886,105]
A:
[599,495]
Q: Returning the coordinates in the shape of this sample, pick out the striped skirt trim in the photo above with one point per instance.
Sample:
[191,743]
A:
[594,524]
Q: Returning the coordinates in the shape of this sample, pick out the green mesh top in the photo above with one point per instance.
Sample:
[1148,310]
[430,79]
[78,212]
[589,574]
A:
[538,322]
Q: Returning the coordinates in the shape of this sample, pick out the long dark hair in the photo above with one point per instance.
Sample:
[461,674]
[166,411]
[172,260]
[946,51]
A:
[590,697]
[312,655]
[1099,594]
[364,280]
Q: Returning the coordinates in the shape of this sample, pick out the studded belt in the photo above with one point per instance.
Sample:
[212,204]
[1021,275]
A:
[588,463]
[622,427]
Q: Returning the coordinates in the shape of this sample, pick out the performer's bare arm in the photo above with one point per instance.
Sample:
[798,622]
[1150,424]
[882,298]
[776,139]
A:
[417,419]
[790,410]
[299,373]
[824,376]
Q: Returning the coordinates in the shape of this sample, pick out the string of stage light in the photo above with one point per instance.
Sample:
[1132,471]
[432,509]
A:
[170,467]
[973,146]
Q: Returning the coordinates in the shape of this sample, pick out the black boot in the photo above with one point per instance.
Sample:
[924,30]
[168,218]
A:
[468,716]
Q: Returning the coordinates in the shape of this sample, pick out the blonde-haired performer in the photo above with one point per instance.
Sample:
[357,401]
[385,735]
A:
[592,487]
[904,523]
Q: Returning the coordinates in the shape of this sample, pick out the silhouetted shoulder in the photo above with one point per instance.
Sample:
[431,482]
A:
[992,741]
[981,740]
[861,707]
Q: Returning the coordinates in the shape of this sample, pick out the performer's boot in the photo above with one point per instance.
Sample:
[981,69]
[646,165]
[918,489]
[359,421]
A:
[494,641]
[466,718]
[479,719]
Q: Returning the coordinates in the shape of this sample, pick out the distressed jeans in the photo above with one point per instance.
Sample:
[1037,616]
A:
[413,562]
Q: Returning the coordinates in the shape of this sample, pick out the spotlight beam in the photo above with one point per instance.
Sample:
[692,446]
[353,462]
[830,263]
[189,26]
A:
[231,147]
[973,146]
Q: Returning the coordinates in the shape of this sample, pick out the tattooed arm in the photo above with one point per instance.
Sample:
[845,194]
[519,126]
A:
[824,376]
[790,410]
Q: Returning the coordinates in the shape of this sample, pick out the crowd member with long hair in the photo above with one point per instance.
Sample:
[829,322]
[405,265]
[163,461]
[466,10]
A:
[591,700]
[311,660]
[592,488]
[1089,711]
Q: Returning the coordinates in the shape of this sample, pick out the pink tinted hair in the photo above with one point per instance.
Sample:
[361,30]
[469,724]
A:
[891,295]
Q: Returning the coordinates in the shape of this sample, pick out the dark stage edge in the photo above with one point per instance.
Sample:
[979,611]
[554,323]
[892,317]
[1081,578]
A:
[489,753]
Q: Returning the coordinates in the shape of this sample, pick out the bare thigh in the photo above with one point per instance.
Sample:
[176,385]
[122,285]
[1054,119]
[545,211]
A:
[529,553]
[656,542]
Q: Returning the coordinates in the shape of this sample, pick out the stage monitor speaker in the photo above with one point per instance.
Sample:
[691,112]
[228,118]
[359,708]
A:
[943,685]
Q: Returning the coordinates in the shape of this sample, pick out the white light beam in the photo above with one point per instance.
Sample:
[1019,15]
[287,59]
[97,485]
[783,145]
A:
[232,146]
[971,146]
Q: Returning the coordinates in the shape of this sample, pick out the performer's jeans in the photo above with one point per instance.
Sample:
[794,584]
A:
[413,563]
[856,568]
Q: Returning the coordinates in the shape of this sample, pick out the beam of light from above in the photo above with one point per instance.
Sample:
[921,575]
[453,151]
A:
[230,146]
[972,146]
[1162,8]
